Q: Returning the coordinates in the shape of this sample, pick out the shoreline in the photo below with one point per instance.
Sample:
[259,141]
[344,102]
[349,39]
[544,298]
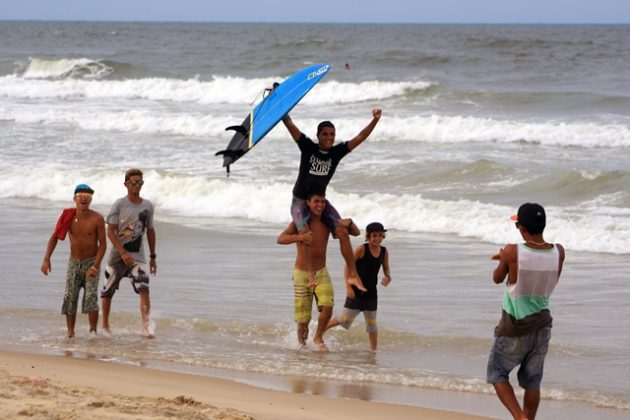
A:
[110,386]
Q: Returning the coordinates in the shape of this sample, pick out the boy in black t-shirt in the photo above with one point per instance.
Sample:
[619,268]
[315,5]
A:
[318,162]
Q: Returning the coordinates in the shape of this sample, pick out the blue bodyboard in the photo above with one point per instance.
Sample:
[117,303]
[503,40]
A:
[279,100]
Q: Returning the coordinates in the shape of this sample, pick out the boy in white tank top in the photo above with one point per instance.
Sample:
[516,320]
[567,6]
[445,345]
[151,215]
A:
[522,336]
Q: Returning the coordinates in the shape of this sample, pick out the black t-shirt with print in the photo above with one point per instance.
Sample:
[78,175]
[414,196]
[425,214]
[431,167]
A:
[316,166]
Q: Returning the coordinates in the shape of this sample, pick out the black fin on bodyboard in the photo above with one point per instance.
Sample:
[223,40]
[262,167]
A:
[234,154]
[239,129]
[229,157]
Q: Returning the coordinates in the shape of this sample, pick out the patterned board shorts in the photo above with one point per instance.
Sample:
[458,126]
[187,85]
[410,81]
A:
[303,293]
[77,280]
[114,273]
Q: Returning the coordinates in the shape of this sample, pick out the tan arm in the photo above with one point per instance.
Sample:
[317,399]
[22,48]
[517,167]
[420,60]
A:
[293,130]
[365,133]
[151,240]
[46,267]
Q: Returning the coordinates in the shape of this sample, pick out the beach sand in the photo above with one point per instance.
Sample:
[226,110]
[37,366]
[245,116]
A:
[47,386]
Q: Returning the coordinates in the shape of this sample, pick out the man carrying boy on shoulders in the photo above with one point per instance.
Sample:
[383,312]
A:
[318,162]
[316,239]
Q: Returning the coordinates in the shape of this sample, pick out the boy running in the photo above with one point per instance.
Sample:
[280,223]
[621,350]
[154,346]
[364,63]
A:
[369,258]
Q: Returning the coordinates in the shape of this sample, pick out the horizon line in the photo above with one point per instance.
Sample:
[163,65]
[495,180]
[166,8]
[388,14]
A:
[310,22]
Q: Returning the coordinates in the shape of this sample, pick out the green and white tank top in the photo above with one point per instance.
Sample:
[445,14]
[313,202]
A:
[536,279]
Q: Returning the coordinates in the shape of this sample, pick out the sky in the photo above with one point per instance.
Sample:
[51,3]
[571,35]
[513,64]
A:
[323,11]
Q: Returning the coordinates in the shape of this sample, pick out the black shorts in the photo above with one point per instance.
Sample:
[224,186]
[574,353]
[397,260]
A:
[361,304]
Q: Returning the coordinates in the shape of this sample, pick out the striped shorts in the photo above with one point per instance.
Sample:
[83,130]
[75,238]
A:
[303,293]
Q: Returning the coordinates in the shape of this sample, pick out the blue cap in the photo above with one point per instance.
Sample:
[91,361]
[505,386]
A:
[84,188]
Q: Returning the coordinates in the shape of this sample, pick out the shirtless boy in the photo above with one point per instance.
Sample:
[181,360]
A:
[317,240]
[87,248]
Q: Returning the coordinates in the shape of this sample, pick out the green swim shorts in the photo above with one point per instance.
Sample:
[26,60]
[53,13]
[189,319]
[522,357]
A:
[303,293]
[75,280]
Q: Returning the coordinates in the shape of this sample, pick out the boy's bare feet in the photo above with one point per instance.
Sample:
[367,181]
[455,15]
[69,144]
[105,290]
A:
[148,325]
[321,346]
[147,334]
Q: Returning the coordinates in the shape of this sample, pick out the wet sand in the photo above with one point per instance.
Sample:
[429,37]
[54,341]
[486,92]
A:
[46,386]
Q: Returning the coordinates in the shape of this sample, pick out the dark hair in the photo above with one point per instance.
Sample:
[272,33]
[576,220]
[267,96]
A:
[533,230]
[323,125]
[132,172]
[314,193]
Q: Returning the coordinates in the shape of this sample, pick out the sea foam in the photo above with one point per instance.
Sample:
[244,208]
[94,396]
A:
[84,68]
[40,83]
[179,197]
[423,129]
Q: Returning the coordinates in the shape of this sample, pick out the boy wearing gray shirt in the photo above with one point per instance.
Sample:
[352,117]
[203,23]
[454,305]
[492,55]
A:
[128,220]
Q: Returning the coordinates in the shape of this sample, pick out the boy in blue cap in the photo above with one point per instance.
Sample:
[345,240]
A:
[87,249]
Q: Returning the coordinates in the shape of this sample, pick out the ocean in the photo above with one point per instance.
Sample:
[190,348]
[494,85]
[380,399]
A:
[477,119]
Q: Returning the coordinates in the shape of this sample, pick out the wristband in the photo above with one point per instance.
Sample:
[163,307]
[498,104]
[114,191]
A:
[152,256]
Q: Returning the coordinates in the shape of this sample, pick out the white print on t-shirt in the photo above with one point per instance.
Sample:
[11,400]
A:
[319,167]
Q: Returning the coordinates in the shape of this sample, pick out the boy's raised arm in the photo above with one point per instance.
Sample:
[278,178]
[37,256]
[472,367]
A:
[293,130]
[364,134]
